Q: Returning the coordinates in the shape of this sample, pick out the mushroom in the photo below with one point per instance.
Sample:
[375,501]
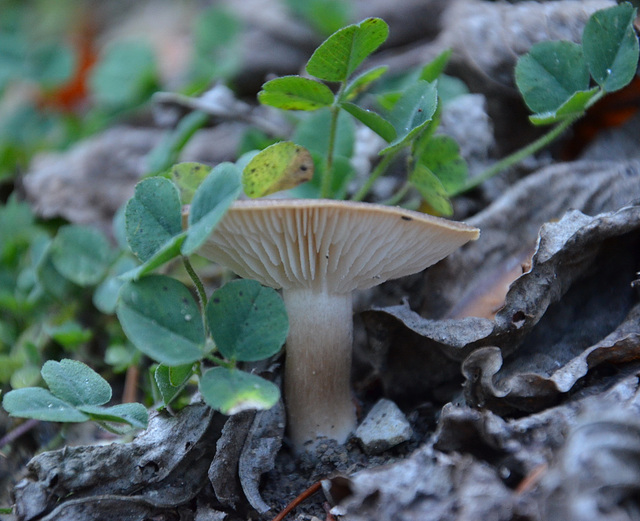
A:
[318,252]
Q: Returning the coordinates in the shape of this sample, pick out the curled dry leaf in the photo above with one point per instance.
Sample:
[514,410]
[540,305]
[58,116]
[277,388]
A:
[163,468]
[245,451]
[575,258]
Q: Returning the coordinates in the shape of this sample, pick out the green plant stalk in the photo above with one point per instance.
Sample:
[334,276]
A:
[380,168]
[221,362]
[519,155]
[398,196]
[202,296]
[325,189]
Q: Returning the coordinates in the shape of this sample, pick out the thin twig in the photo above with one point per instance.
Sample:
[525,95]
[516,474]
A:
[302,497]
[20,430]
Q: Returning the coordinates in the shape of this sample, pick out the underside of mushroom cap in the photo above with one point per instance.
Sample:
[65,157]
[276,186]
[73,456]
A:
[331,246]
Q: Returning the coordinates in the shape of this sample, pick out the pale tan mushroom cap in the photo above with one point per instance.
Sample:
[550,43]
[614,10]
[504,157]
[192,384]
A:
[326,245]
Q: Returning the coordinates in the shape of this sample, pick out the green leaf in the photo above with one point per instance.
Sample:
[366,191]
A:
[169,251]
[188,177]
[361,82]
[610,46]
[441,155]
[51,64]
[248,321]
[432,71]
[76,383]
[69,334]
[167,150]
[81,254]
[278,167]
[576,104]
[216,36]
[372,120]
[431,189]
[295,93]
[210,202]
[550,74]
[171,380]
[40,404]
[125,76]
[412,113]
[134,414]
[153,217]
[341,54]
[105,297]
[231,391]
[161,318]
[325,16]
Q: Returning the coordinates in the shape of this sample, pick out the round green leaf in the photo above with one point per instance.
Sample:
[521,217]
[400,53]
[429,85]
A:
[81,254]
[431,189]
[413,112]
[372,120]
[135,414]
[40,404]
[295,93]
[105,296]
[231,391]
[576,104]
[76,383]
[550,74]
[611,46]
[247,320]
[125,75]
[341,54]
[441,155]
[161,318]
[278,167]
[70,334]
[188,177]
[210,202]
[362,82]
[153,217]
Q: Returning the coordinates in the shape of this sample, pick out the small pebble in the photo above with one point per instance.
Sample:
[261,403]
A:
[384,427]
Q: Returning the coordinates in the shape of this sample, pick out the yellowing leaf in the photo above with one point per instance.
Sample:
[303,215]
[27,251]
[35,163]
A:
[281,166]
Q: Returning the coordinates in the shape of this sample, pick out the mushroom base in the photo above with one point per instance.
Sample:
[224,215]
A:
[318,367]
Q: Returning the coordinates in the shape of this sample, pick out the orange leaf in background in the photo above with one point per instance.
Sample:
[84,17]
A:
[70,96]
[613,110]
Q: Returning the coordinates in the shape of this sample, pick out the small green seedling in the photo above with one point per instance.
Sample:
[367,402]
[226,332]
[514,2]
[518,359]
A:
[436,165]
[241,322]
[76,394]
[559,80]
[555,79]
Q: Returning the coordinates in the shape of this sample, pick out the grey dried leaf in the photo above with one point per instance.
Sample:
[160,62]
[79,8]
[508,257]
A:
[88,183]
[223,472]
[259,453]
[246,450]
[429,485]
[164,467]
[555,314]
[589,446]
[575,259]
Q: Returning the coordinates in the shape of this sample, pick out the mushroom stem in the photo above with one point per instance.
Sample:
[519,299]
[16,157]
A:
[318,367]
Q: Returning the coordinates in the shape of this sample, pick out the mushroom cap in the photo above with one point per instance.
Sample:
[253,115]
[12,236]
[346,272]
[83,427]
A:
[327,245]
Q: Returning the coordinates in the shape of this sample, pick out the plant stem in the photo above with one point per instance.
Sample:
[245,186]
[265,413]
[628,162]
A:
[398,196]
[221,362]
[518,155]
[325,190]
[202,296]
[380,168]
